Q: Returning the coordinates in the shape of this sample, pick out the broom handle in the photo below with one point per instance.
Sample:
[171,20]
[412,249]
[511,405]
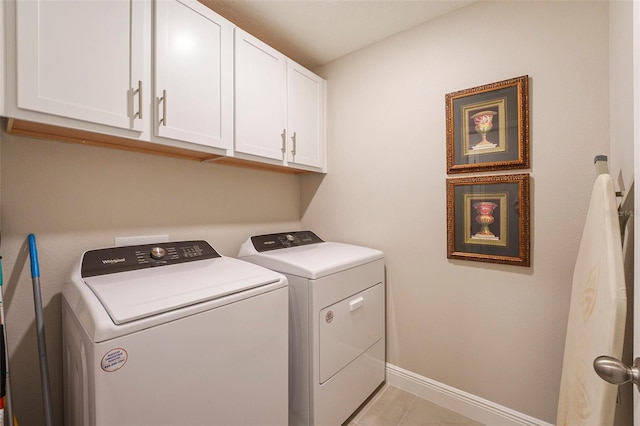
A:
[42,344]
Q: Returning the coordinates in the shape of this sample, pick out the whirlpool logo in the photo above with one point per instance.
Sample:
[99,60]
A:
[113,261]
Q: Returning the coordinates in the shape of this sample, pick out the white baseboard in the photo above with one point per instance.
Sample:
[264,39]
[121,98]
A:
[461,402]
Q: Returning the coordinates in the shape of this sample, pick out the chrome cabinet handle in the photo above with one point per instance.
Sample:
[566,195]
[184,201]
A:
[615,371]
[284,141]
[163,99]
[293,139]
[138,92]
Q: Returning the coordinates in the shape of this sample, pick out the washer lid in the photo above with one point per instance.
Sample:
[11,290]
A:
[314,260]
[132,295]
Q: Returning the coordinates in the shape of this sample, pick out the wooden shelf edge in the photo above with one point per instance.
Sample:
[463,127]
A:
[62,134]
[82,137]
[239,162]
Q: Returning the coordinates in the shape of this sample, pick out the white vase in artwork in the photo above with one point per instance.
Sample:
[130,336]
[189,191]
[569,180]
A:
[483,121]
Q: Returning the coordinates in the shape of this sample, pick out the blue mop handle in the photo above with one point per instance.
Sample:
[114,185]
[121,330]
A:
[33,255]
[42,343]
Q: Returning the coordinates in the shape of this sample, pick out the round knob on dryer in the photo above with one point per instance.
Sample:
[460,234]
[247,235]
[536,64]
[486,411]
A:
[158,253]
[290,238]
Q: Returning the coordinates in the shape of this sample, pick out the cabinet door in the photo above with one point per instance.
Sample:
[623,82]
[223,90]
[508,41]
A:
[81,59]
[305,117]
[193,74]
[3,61]
[260,90]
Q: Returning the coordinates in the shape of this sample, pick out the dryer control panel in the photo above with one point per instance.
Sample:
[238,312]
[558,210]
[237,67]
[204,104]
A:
[129,258]
[284,240]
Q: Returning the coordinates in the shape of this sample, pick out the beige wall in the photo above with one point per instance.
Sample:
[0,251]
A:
[75,198]
[493,331]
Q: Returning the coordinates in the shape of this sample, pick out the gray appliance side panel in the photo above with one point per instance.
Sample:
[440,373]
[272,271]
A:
[77,362]
[300,351]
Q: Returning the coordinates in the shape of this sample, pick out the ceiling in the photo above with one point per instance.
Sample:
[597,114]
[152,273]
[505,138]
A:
[315,32]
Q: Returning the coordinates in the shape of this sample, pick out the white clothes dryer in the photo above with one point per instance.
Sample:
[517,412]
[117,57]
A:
[174,334]
[336,318]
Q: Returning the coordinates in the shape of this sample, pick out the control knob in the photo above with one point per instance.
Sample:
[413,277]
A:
[157,253]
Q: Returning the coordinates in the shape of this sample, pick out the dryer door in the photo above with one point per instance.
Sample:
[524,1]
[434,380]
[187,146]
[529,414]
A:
[348,328]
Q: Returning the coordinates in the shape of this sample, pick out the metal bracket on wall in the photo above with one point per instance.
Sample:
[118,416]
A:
[626,206]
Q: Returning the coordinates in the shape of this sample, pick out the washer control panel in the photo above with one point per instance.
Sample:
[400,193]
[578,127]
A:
[284,240]
[129,258]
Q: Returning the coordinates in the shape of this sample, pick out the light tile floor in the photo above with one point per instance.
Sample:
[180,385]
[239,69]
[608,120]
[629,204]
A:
[391,406]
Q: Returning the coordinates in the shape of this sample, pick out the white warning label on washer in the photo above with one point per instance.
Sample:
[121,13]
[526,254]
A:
[114,360]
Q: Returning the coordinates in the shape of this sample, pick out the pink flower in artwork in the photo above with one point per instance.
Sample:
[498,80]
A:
[483,119]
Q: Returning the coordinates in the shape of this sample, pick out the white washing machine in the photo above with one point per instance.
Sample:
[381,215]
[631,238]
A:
[337,322]
[174,334]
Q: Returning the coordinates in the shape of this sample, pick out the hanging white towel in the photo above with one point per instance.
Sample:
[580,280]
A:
[597,314]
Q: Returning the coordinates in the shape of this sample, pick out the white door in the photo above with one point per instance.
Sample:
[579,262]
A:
[611,369]
[636,145]
[260,89]
[82,59]
[305,117]
[193,74]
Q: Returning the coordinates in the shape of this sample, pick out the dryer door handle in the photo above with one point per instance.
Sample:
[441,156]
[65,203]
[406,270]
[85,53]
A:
[356,303]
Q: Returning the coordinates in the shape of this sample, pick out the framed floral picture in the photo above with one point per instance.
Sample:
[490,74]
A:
[488,127]
[488,219]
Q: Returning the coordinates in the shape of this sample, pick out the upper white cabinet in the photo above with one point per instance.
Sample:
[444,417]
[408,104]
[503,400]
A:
[279,104]
[260,90]
[305,117]
[82,60]
[3,61]
[193,74]
[158,76]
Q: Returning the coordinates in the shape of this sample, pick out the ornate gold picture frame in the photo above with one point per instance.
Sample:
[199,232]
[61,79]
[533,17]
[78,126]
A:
[488,127]
[488,219]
